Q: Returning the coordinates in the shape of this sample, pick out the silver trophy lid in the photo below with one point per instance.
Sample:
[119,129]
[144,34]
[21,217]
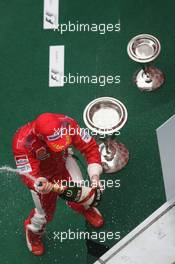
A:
[105,115]
[143,48]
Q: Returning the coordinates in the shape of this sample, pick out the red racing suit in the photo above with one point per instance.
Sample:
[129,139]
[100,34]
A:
[33,156]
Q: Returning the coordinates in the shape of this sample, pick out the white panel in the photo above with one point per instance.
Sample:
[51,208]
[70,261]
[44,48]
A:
[166,142]
[56,66]
[50,16]
[151,242]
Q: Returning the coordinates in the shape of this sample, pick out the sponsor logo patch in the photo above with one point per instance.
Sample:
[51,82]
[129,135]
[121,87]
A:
[85,136]
[68,140]
[55,136]
[21,159]
[41,153]
[30,140]
[24,168]
[58,147]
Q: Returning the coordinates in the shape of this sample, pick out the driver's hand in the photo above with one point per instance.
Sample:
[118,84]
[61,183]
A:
[43,186]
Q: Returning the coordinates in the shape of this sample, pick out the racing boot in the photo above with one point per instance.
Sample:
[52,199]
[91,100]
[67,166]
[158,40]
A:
[34,241]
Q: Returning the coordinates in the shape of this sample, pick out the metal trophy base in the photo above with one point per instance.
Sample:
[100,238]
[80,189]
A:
[114,156]
[149,79]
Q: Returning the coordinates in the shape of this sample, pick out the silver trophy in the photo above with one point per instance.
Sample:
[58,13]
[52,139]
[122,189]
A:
[105,116]
[145,49]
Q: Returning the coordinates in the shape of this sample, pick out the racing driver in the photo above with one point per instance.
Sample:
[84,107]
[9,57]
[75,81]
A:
[41,149]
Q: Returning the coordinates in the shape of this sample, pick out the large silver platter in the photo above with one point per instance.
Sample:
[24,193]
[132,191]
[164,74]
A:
[105,115]
[143,48]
